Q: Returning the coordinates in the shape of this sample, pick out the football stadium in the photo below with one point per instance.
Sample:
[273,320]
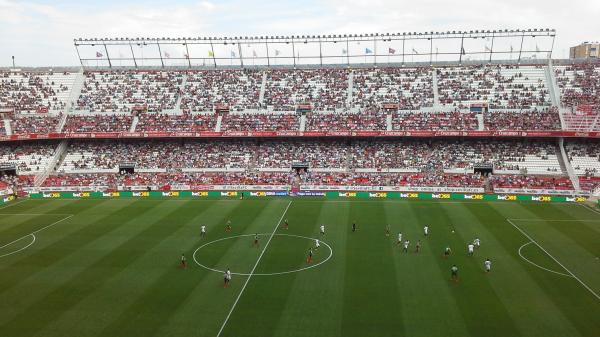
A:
[412,183]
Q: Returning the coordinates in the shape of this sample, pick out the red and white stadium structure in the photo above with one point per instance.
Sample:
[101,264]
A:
[403,112]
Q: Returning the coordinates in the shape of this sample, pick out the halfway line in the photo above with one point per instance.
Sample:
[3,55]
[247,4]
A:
[253,269]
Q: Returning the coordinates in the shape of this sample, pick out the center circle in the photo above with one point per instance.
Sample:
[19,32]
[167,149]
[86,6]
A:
[263,274]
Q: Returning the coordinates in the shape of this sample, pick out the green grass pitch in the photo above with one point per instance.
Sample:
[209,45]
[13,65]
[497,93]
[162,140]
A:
[111,267]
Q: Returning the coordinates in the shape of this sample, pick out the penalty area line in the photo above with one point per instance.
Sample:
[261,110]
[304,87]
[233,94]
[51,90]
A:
[253,269]
[555,260]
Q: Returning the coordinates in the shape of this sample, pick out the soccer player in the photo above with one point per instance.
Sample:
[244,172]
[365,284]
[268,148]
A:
[317,244]
[183,261]
[470,249]
[426,230]
[454,273]
[487,265]
[226,278]
[202,231]
[322,229]
[476,242]
[418,246]
[286,224]
[447,252]
[399,238]
[354,226]
[255,240]
[310,256]
[406,244]
[228,226]
[387,230]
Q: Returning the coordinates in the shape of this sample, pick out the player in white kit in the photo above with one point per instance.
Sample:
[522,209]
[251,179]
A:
[470,249]
[317,244]
[322,229]
[487,265]
[426,230]
[476,242]
[399,239]
[203,231]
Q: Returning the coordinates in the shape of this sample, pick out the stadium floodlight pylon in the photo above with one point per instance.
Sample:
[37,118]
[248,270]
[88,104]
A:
[342,50]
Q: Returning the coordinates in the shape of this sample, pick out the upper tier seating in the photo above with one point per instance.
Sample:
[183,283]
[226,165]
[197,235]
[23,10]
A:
[503,87]
[410,88]
[323,89]
[122,91]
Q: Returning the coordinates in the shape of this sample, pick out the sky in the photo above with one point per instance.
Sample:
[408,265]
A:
[41,33]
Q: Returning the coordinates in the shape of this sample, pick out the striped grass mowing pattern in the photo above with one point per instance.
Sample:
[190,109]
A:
[111,268]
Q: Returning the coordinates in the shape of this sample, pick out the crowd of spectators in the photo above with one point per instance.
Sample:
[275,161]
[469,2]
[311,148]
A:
[547,119]
[367,120]
[501,86]
[98,123]
[580,85]
[322,89]
[27,157]
[434,121]
[34,91]
[128,90]
[34,124]
[281,121]
[237,89]
[409,88]
[531,182]
[186,122]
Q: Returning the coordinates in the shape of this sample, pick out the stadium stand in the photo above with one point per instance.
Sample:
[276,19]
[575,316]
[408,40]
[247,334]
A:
[32,92]
[323,89]
[282,121]
[98,123]
[186,122]
[122,91]
[410,88]
[34,124]
[503,87]
[236,89]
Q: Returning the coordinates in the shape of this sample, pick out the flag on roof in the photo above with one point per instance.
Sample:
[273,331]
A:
[99,54]
[392,50]
[368,51]
[232,53]
[254,53]
[344,51]
[167,55]
[277,52]
[211,54]
[415,51]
